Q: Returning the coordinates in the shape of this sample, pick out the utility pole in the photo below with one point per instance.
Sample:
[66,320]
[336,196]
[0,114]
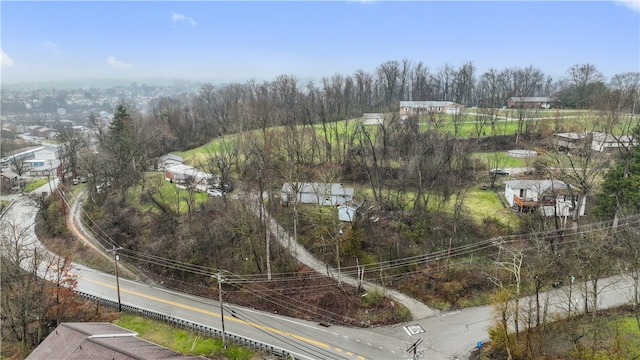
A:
[116,258]
[224,337]
[417,354]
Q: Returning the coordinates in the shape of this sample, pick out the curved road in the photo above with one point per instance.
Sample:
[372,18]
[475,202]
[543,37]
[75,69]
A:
[446,336]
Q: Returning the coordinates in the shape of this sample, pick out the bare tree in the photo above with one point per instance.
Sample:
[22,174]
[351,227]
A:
[18,164]
[580,167]
[71,143]
[446,75]
[389,77]
[221,162]
[363,91]
[513,265]
[464,84]
[580,77]
[28,302]
[592,252]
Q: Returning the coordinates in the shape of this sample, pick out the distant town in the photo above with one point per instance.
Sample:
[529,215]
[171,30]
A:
[61,107]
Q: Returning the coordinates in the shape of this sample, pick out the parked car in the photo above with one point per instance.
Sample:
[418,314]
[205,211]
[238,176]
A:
[498,172]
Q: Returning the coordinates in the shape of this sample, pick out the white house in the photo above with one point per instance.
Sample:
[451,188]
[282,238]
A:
[185,176]
[317,193]
[548,196]
[599,140]
[168,160]
[410,108]
[604,142]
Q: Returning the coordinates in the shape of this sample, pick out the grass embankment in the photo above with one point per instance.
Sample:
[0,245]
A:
[69,245]
[183,341]
[34,185]
[167,194]
[612,334]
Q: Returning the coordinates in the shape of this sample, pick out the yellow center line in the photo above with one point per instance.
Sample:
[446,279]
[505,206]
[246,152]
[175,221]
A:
[173,303]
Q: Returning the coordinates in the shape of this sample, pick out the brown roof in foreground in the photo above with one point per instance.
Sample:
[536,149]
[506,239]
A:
[100,340]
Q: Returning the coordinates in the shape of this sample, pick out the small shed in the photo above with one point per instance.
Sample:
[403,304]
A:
[373,119]
[348,212]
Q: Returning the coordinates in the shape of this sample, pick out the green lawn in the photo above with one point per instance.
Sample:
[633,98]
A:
[502,159]
[197,156]
[165,192]
[182,341]
[34,185]
[485,203]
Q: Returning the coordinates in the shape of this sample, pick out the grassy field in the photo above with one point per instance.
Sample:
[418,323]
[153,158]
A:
[502,159]
[34,185]
[182,341]
[485,203]
[168,194]
[198,156]
[479,202]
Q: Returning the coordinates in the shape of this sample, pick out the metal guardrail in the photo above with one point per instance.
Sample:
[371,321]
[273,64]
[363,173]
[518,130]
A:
[202,329]
[6,208]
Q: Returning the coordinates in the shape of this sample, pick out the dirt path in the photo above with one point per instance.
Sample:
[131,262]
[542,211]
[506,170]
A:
[81,233]
[417,309]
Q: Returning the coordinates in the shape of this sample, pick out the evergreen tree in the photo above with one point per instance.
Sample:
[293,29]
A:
[124,150]
[620,193]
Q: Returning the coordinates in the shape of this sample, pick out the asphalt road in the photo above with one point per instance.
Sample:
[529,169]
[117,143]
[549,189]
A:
[304,339]
[450,335]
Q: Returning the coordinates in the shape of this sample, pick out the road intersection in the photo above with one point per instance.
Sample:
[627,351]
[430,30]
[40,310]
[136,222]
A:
[446,335]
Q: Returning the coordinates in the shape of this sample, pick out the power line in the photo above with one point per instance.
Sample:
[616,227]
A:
[385,266]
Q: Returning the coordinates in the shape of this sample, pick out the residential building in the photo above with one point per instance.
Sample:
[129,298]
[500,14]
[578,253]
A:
[533,102]
[411,108]
[326,194]
[10,181]
[597,141]
[43,132]
[607,142]
[168,160]
[188,177]
[547,196]
[100,340]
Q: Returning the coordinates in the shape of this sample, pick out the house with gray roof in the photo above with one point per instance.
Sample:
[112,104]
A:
[325,194]
[100,340]
[533,102]
[189,177]
[411,108]
[597,141]
[550,197]
[168,160]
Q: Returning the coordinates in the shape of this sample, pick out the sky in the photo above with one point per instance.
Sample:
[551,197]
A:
[237,41]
